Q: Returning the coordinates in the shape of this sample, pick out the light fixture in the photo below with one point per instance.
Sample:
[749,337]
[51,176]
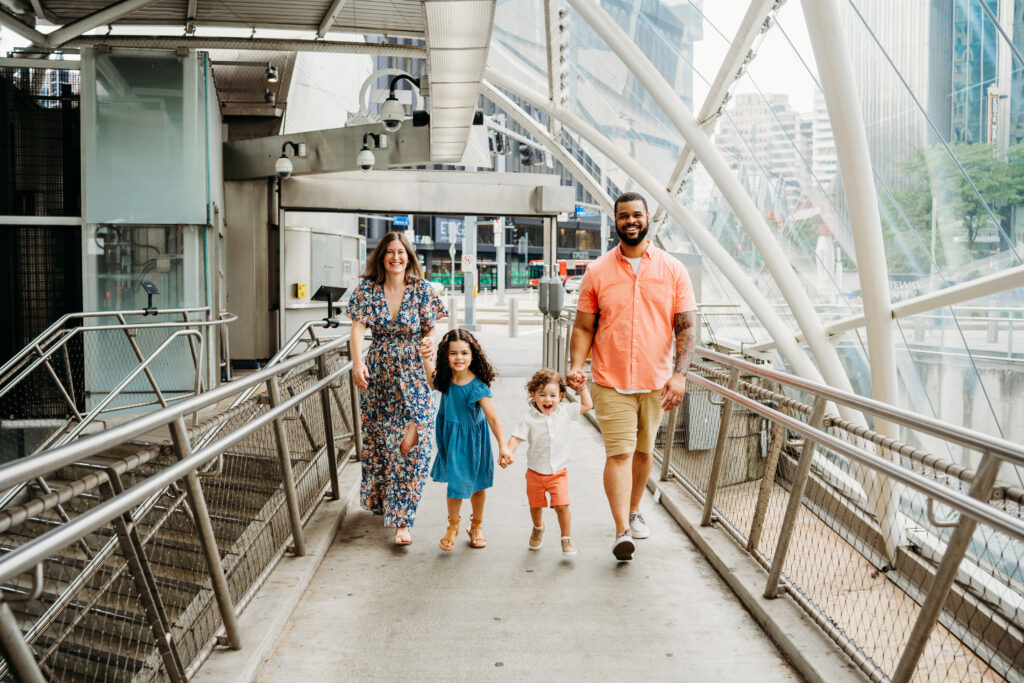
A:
[365,159]
[271,73]
[392,112]
[269,97]
[283,166]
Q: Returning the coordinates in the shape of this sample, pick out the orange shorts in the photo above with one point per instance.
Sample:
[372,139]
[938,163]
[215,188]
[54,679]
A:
[556,485]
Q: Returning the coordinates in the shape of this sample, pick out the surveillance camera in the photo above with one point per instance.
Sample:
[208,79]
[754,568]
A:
[391,114]
[365,159]
[283,167]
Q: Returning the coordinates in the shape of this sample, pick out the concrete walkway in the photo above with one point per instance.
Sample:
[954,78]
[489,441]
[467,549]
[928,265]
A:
[376,612]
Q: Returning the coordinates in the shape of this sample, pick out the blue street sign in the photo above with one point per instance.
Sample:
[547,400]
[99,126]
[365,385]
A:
[400,221]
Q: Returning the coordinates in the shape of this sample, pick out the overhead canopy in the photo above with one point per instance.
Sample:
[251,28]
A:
[454,39]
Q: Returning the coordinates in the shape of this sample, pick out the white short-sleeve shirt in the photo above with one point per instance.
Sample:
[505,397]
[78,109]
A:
[547,437]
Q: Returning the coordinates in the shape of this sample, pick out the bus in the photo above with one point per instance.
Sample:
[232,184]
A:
[566,268]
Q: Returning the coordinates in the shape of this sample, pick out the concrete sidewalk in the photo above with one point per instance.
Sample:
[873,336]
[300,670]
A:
[376,612]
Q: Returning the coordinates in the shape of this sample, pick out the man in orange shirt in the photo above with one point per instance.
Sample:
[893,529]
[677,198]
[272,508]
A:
[636,314]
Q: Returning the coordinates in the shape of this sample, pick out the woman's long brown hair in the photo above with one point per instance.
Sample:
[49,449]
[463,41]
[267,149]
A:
[375,264]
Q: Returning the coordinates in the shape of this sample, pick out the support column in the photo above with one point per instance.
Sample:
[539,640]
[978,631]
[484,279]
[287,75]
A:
[844,113]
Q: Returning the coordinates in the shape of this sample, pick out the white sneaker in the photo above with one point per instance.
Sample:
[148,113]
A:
[638,525]
[623,548]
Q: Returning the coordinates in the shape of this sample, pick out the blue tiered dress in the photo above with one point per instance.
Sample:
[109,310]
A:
[465,460]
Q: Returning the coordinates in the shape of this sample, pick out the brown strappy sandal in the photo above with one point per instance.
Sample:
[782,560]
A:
[448,542]
[476,536]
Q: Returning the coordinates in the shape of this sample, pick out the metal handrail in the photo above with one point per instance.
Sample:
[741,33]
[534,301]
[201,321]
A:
[977,510]
[14,472]
[26,556]
[59,325]
[962,436]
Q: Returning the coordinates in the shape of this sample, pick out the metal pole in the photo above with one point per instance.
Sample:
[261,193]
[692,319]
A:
[16,650]
[670,440]
[725,418]
[499,247]
[357,425]
[945,574]
[513,317]
[290,494]
[469,276]
[183,449]
[796,494]
[332,452]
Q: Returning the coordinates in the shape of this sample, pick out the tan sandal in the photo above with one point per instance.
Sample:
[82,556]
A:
[476,536]
[448,542]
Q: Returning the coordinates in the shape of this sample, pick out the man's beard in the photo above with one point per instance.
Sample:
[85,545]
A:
[632,241]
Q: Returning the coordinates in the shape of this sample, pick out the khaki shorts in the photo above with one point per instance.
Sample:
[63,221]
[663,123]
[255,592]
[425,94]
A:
[629,422]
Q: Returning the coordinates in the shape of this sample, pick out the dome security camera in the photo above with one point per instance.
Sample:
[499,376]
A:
[365,159]
[391,114]
[283,167]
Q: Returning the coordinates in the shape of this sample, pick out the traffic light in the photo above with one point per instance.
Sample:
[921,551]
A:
[525,155]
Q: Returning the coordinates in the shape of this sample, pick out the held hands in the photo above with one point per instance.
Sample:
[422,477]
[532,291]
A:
[576,379]
[505,457]
[427,347]
[672,392]
[360,375]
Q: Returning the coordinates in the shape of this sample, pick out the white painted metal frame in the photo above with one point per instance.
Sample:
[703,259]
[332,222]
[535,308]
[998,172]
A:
[104,16]
[746,288]
[591,184]
[329,16]
[753,24]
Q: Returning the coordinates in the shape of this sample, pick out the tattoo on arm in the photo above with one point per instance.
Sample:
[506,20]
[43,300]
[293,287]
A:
[685,327]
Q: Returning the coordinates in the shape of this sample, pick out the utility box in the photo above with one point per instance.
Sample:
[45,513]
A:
[554,199]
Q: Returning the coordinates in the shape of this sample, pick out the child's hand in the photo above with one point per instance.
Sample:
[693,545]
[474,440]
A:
[505,459]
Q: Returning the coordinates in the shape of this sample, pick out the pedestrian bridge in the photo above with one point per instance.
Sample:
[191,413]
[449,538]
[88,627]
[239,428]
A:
[220,538]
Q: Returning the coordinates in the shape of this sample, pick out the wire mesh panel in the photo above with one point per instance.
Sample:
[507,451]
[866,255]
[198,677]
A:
[106,601]
[862,549]
[40,127]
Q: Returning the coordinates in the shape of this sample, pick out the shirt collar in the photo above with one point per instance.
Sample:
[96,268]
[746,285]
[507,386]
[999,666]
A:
[646,253]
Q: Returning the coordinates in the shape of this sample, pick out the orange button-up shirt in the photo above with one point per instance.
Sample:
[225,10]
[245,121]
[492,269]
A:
[634,343]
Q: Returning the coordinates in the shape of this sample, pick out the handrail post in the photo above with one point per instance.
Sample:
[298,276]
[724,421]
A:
[796,494]
[138,354]
[669,444]
[357,424]
[764,493]
[945,574]
[183,449]
[290,494]
[16,650]
[127,532]
[723,438]
[332,452]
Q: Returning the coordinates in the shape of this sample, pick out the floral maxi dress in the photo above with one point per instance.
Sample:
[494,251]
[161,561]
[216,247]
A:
[397,394]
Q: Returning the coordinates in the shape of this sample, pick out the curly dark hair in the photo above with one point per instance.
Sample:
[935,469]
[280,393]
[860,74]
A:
[628,197]
[479,366]
[544,377]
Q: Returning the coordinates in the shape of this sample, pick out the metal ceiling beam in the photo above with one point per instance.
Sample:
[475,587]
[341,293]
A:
[267,44]
[753,24]
[8,20]
[104,16]
[42,13]
[329,16]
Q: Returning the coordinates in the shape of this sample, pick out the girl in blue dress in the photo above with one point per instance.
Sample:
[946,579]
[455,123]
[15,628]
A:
[465,460]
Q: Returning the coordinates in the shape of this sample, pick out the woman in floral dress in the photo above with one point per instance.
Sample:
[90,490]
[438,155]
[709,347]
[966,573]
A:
[396,403]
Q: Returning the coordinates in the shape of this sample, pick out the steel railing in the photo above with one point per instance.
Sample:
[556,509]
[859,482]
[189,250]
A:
[786,480]
[288,425]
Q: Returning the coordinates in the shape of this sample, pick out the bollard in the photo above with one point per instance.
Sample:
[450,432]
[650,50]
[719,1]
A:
[453,313]
[513,317]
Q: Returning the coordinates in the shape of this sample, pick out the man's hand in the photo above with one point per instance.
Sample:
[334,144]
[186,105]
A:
[672,392]
[577,379]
